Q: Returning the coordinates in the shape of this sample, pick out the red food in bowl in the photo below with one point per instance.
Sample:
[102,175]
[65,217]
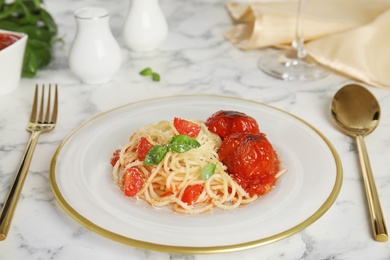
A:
[251,161]
[7,40]
[226,122]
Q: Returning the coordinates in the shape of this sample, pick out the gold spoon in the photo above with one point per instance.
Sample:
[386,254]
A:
[357,112]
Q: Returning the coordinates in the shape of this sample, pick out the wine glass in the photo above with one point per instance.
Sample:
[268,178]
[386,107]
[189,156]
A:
[293,64]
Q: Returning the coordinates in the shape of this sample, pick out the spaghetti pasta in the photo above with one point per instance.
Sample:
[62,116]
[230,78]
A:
[177,179]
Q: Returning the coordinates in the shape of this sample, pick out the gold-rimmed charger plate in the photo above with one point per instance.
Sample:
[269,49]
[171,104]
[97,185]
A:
[80,177]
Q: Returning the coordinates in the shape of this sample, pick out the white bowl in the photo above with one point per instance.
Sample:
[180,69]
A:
[11,61]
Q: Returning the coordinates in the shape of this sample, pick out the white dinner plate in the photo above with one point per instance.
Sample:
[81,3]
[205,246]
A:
[80,176]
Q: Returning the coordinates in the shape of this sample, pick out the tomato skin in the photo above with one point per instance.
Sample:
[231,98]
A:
[226,122]
[251,161]
[143,148]
[192,193]
[132,182]
[115,157]
[185,127]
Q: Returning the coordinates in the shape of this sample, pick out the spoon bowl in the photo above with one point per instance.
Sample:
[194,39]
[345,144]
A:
[357,113]
[355,110]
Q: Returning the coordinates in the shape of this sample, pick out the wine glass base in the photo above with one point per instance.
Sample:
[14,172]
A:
[281,66]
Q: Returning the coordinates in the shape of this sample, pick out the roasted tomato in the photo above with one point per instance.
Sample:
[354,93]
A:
[115,157]
[132,181]
[225,123]
[143,148]
[251,161]
[192,193]
[185,127]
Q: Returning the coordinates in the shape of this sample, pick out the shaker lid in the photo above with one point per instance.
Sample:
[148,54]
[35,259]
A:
[91,13]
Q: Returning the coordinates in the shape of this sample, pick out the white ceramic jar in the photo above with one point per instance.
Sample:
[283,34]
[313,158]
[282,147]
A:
[95,56]
[145,27]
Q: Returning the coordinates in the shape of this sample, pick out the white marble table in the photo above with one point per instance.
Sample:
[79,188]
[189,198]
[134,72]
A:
[195,59]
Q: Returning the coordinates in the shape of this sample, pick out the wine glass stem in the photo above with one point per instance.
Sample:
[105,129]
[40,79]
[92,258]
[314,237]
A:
[298,43]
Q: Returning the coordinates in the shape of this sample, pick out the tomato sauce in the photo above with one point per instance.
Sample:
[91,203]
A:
[7,40]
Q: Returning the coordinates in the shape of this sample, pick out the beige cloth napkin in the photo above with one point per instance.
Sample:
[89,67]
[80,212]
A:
[349,36]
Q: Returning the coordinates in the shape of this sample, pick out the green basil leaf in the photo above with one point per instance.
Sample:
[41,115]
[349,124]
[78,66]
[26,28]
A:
[182,143]
[41,51]
[49,22]
[208,171]
[146,72]
[155,155]
[30,67]
[155,76]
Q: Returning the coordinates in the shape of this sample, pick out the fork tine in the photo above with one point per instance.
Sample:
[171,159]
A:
[33,116]
[47,114]
[40,117]
[55,106]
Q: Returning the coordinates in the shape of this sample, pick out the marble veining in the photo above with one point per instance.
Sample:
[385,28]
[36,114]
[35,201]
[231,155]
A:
[195,59]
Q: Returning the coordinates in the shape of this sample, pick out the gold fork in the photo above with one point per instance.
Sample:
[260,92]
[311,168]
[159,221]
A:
[40,122]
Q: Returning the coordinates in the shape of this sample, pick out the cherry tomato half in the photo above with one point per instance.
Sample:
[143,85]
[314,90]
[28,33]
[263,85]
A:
[143,148]
[226,122]
[115,157]
[192,193]
[251,161]
[185,127]
[132,181]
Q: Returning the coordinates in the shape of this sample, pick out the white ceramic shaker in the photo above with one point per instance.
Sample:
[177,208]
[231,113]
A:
[145,27]
[95,56]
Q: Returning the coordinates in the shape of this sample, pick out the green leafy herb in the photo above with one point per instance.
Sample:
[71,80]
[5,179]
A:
[146,72]
[31,18]
[155,76]
[150,72]
[155,155]
[208,171]
[178,143]
[182,143]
